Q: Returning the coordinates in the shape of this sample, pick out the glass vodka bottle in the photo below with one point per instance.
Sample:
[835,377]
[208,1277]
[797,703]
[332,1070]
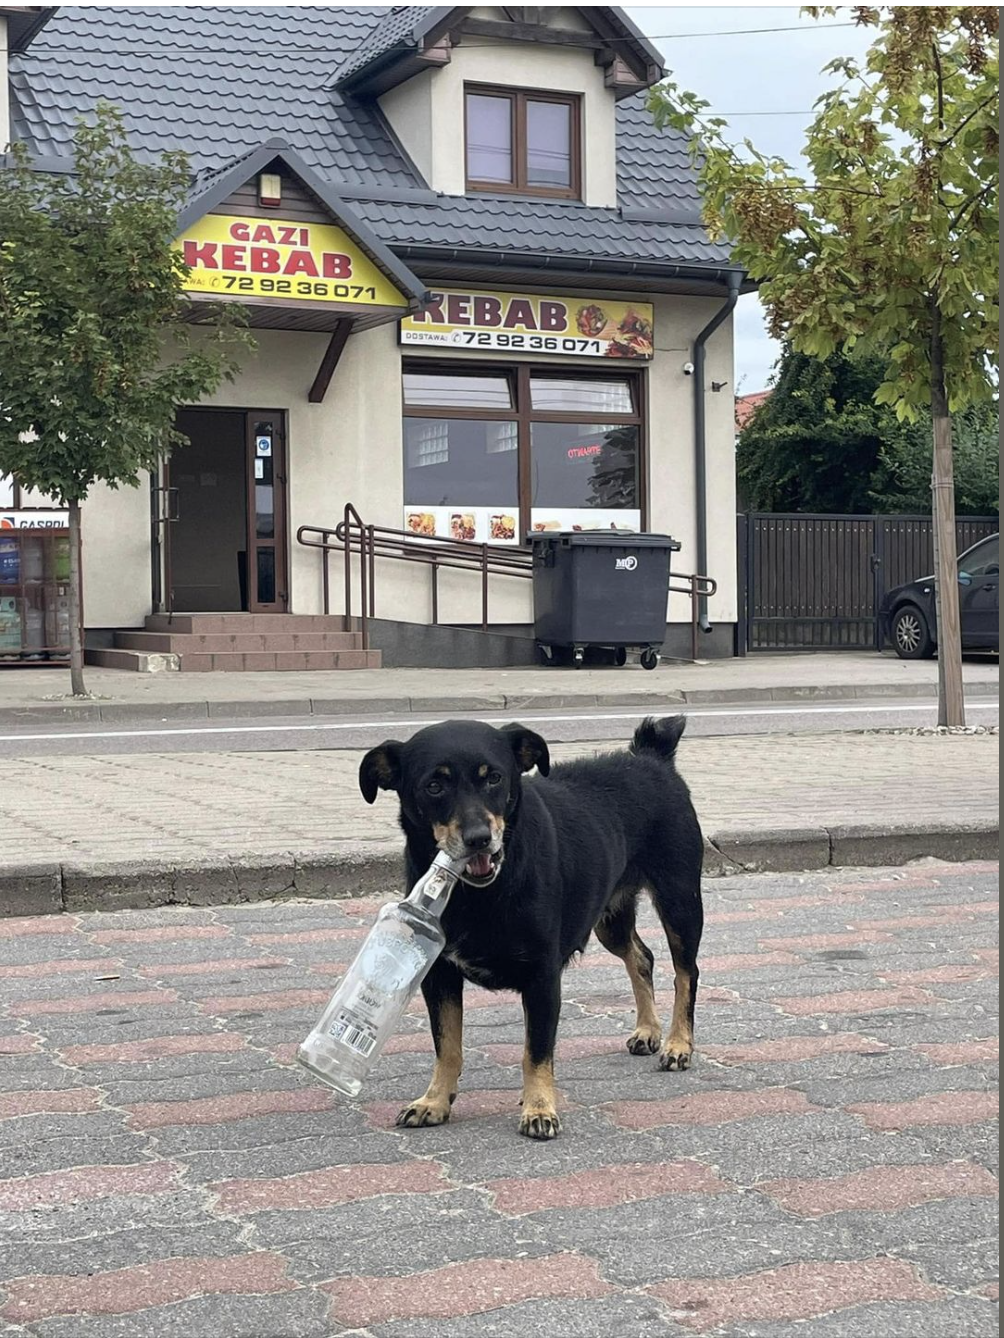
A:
[369,1003]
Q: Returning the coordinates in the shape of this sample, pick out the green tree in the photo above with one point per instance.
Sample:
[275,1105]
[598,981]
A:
[821,443]
[94,354]
[889,246]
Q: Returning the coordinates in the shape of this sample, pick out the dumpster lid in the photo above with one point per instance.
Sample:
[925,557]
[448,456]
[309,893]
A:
[605,539]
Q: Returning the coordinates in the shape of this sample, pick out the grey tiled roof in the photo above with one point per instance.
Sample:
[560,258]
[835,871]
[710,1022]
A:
[502,224]
[398,30]
[220,81]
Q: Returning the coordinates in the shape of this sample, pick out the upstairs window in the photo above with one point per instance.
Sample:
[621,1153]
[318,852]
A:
[523,142]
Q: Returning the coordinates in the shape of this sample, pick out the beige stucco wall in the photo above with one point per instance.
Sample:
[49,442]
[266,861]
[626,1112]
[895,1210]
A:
[350,449]
[4,90]
[427,112]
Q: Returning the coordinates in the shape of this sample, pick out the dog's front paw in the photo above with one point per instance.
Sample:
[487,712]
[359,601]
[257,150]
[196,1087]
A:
[422,1113]
[644,1041]
[541,1123]
[675,1057]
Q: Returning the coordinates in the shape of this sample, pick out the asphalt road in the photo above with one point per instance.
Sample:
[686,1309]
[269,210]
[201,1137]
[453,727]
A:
[824,1170]
[280,734]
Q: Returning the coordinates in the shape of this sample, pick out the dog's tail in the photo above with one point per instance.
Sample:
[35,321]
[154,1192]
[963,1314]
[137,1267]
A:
[659,736]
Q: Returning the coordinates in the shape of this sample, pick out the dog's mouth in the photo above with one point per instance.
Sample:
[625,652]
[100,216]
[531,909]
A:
[483,868]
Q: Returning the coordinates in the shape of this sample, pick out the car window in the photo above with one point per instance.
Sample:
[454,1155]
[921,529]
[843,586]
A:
[983,560]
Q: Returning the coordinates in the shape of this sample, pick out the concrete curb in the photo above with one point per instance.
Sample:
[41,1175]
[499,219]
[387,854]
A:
[45,889]
[122,713]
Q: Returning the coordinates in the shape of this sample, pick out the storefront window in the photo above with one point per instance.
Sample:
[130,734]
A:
[491,456]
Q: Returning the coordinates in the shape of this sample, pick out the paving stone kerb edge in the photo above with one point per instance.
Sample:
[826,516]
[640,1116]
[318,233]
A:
[43,889]
[106,712]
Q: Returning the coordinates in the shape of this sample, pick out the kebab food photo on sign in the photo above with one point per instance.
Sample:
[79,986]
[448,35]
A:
[528,323]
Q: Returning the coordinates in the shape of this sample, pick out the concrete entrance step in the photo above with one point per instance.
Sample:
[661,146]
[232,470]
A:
[254,661]
[231,624]
[215,643]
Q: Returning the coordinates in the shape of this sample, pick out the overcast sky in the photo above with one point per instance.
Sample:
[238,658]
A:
[765,83]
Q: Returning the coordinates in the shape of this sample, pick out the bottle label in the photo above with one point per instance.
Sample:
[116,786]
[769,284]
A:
[353,1031]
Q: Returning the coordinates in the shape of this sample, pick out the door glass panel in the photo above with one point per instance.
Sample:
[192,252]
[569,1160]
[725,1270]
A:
[579,465]
[266,575]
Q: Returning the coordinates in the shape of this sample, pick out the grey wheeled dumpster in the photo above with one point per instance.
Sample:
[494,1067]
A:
[601,588]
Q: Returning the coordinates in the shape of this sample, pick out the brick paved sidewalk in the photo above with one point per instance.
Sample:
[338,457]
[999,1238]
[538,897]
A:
[176,806]
[168,1173]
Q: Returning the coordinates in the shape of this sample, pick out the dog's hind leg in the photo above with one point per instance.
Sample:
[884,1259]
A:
[443,989]
[616,931]
[678,903]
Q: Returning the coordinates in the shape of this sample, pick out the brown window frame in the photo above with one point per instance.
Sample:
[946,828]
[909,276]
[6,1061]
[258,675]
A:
[519,376]
[518,98]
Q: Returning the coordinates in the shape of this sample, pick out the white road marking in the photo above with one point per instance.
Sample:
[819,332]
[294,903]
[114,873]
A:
[677,708]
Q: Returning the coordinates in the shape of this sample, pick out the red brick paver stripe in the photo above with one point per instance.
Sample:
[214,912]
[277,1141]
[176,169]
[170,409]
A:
[155,1047]
[23,1043]
[38,924]
[835,896]
[70,1100]
[937,1108]
[720,1107]
[85,1183]
[469,1288]
[64,966]
[325,1189]
[947,974]
[852,1001]
[352,934]
[962,1052]
[796,1291]
[211,968]
[851,938]
[92,1003]
[954,915]
[792,1049]
[882,1189]
[605,1187]
[223,1109]
[159,933]
[127,1290]
[991,1291]
[277,1002]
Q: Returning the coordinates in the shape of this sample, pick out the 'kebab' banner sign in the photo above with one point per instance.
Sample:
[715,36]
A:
[528,323]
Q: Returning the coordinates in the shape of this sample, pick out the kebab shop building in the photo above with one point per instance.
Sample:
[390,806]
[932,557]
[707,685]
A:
[475,412]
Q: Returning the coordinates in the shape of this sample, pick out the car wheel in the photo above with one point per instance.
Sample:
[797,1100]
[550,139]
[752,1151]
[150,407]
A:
[911,636]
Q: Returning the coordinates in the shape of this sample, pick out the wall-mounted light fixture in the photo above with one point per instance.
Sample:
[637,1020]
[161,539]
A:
[270,188]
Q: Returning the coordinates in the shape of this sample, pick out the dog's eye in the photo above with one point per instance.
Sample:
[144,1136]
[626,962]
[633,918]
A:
[434,788]
[494,778]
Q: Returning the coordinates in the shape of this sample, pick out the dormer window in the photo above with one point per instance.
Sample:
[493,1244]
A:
[523,142]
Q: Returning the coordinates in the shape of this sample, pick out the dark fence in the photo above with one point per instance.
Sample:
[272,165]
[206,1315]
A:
[810,582]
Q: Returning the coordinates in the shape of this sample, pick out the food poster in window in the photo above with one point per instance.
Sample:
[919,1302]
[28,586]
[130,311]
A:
[528,323]
[470,524]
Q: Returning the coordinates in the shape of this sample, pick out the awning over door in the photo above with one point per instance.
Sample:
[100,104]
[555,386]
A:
[269,234]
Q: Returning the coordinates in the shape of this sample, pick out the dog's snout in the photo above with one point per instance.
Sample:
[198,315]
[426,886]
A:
[477,836]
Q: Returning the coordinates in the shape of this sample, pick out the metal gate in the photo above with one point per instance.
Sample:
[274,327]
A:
[810,582]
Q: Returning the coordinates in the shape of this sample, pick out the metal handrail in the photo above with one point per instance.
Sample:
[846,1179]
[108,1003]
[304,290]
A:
[353,537]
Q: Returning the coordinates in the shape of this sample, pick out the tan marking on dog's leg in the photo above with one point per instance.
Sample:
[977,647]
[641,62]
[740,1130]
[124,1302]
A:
[539,1118]
[434,1106]
[679,1045]
[645,1038]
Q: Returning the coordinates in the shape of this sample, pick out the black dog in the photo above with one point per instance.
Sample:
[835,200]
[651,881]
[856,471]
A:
[549,862]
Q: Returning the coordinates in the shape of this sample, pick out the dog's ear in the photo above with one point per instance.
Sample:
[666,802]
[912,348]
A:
[380,769]
[529,749]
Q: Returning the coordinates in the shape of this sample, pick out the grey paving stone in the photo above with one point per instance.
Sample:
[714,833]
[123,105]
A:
[955,1317]
[299,1314]
[395,1234]
[624,1315]
[950,1223]
[19,1134]
[975,1142]
[36,1157]
[36,1073]
[894,1084]
[314,1153]
[121,1249]
[961,1270]
[258,1131]
[96,1217]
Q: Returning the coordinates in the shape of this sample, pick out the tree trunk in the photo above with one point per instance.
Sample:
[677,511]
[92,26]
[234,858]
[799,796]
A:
[77,686]
[951,702]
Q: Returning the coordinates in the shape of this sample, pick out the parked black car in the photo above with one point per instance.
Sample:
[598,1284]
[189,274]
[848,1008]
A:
[907,612]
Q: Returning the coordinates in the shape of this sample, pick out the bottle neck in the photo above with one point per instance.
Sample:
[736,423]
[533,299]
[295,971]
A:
[432,891]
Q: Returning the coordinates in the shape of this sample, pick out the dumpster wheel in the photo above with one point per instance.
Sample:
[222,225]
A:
[649,658]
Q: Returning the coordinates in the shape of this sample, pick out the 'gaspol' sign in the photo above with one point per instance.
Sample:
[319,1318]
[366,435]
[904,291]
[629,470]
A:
[297,262]
[582,326]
